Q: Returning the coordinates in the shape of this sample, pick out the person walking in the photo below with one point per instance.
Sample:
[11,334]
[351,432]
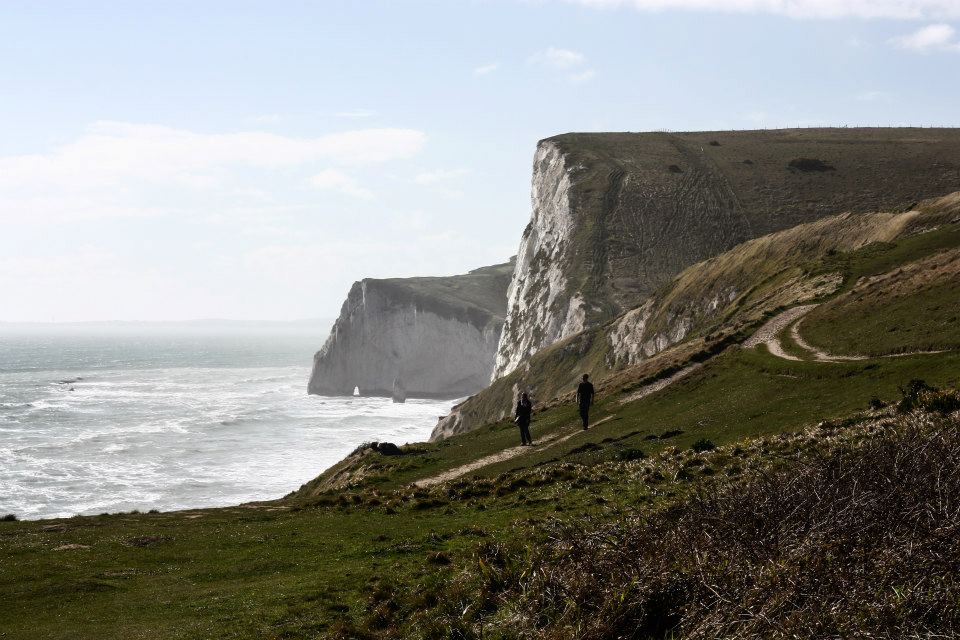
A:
[585,399]
[522,416]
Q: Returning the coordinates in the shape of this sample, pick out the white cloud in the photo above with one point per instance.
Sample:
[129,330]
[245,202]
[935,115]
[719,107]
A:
[335,180]
[934,37]
[119,169]
[558,58]
[582,76]
[486,69]
[439,175]
[822,9]
[572,63]
[356,114]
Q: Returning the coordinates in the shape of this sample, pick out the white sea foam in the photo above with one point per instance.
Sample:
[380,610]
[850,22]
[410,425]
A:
[167,432]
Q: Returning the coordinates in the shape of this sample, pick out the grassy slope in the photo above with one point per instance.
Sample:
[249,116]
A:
[752,280]
[321,559]
[481,291]
[920,313]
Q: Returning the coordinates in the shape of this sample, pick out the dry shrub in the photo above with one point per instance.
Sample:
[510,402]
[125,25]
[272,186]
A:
[860,542]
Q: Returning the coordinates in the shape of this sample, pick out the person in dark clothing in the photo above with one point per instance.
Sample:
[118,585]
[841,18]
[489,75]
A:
[522,417]
[585,399]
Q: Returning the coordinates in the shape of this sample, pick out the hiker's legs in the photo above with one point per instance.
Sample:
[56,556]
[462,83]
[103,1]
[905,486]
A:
[585,416]
[525,434]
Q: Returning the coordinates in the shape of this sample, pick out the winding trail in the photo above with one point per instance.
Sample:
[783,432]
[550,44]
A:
[769,333]
[653,387]
[818,355]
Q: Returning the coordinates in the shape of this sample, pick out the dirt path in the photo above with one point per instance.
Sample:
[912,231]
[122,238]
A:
[769,333]
[547,441]
[818,355]
[653,387]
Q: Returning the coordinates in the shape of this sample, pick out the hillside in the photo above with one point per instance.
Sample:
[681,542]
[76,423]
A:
[617,215]
[710,303]
[752,469]
[422,337]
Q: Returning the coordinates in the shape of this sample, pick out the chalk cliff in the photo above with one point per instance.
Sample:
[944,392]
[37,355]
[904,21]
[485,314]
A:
[617,215]
[431,337]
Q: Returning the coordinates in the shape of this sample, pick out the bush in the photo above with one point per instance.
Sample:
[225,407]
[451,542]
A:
[942,402]
[632,454]
[440,557]
[919,395]
[702,445]
[911,395]
[852,543]
[10,517]
[876,403]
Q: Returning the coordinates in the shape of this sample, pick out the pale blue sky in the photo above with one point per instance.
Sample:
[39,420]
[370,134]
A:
[249,160]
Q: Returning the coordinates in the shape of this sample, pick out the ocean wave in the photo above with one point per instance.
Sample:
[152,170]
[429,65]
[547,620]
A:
[182,437]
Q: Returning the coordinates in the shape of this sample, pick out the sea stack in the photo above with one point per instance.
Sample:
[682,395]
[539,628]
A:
[399,391]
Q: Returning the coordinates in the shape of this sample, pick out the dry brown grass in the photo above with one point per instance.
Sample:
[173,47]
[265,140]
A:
[860,541]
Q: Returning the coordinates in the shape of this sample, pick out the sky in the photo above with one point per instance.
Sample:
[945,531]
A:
[250,160]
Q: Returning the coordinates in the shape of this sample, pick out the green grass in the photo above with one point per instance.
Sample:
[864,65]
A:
[926,320]
[738,394]
[233,573]
[741,393]
[240,573]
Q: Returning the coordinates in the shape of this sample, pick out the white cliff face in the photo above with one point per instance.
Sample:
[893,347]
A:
[632,341]
[539,289]
[380,342]
[628,334]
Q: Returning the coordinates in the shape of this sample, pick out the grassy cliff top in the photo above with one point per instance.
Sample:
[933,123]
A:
[480,294]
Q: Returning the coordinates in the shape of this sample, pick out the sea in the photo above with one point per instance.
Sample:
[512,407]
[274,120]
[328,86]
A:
[102,419]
